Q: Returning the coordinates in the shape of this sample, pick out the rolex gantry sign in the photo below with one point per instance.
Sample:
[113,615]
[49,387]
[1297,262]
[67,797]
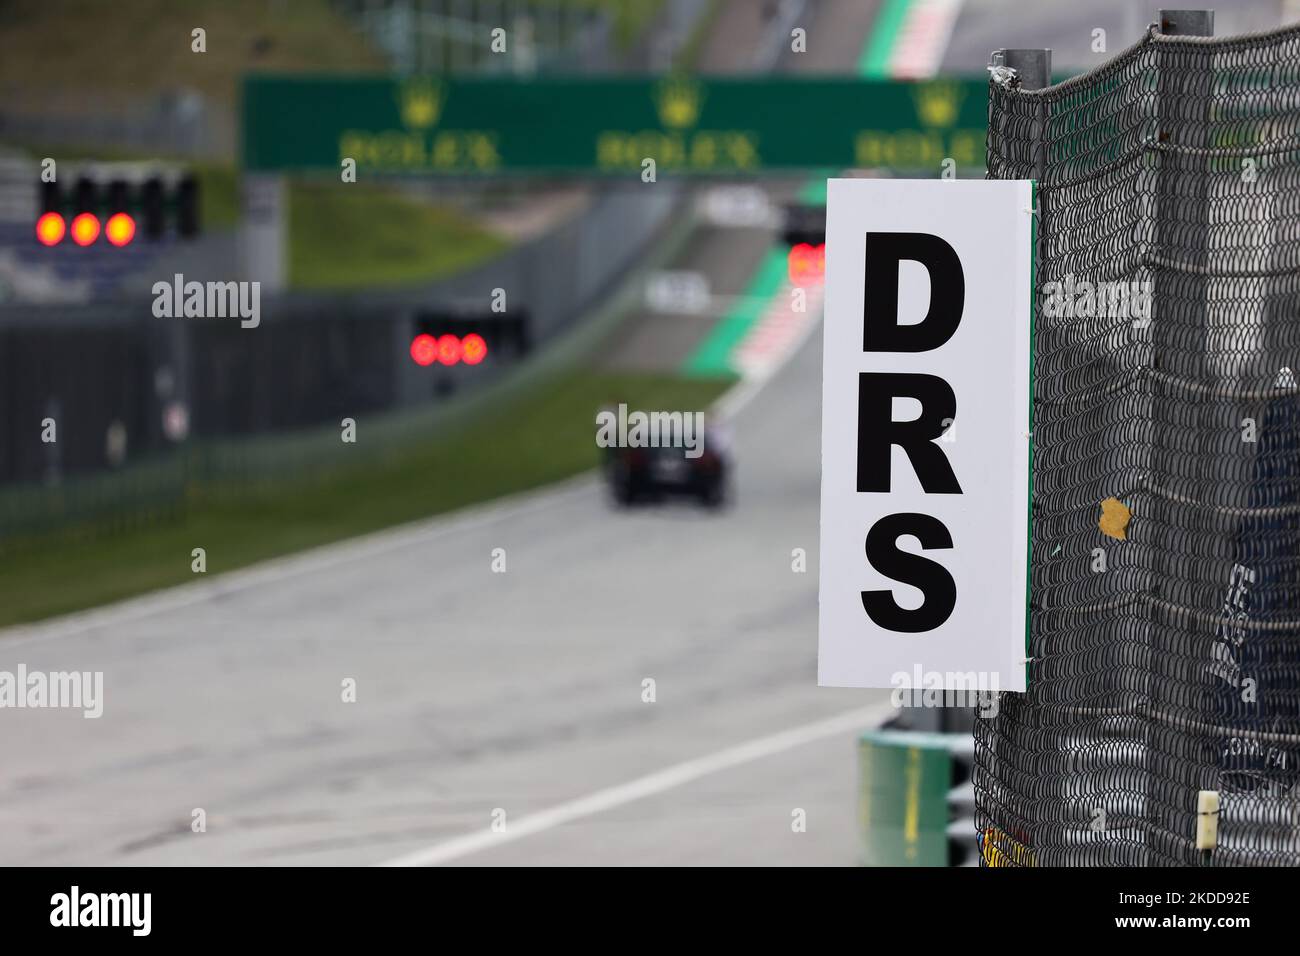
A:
[692,125]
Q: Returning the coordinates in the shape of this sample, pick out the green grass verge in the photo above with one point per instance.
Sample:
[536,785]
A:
[540,436]
[74,53]
[356,235]
[631,17]
[218,195]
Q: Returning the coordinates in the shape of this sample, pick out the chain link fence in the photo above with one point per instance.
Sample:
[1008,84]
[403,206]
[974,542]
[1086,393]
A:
[1165,655]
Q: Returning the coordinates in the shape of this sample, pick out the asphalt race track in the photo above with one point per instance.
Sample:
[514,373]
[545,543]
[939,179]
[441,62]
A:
[475,690]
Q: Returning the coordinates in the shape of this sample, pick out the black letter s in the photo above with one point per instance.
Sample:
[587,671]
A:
[931,577]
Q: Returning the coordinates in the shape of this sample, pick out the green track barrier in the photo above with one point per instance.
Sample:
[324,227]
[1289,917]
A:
[903,783]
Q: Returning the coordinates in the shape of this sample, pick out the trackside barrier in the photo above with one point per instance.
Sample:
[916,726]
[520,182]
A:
[915,801]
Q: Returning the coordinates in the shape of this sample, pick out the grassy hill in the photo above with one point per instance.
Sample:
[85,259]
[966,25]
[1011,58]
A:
[56,53]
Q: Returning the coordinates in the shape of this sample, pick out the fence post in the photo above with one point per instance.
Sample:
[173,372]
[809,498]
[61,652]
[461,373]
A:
[1034,71]
[1033,67]
[1178,318]
[1187,23]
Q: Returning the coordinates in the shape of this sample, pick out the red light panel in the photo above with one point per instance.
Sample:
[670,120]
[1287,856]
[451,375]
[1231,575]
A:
[50,229]
[424,349]
[473,349]
[807,263]
[449,349]
[85,229]
[120,229]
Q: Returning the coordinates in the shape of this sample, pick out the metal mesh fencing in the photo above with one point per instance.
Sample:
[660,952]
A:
[1165,654]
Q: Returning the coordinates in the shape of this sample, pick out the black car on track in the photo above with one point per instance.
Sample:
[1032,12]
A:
[654,473]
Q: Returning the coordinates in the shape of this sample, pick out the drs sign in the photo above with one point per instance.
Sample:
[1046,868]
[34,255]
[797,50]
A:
[926,432]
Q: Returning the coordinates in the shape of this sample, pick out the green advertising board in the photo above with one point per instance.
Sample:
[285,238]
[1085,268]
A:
[609,125]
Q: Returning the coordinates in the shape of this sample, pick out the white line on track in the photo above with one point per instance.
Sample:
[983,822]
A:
[641,787]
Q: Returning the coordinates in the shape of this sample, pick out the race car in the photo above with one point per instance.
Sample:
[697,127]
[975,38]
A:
[654,473]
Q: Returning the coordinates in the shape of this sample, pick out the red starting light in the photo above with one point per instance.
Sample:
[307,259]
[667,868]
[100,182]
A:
[50,229]
[424,349]
[85,229]
[120,229]
[807,263]
[449,349]
[473,349]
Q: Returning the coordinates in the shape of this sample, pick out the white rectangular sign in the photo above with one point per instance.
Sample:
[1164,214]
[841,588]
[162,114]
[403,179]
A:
[926,434]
